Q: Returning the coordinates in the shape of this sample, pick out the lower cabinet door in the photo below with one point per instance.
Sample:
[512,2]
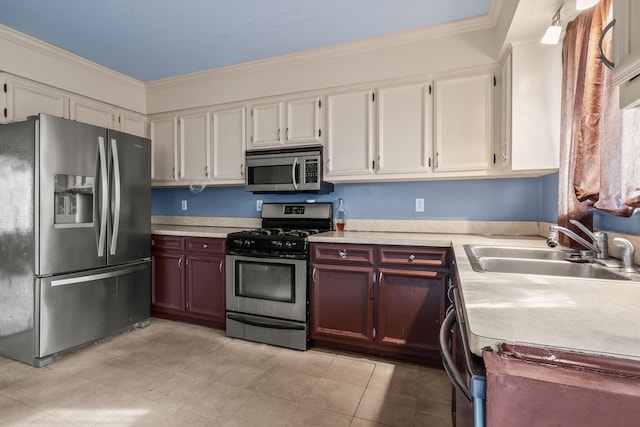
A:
[205,287]
[167,277]
[411,305]
[341,299]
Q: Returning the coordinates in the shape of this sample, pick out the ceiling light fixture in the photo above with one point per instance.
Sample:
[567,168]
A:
[552,35]
[585,4]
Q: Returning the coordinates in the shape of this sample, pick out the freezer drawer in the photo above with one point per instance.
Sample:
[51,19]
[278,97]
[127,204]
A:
[79,308]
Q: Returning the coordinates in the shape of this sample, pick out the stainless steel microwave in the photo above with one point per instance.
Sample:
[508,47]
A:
[287,170]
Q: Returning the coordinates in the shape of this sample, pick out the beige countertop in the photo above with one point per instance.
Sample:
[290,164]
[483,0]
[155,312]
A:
[585,315]
[193,231]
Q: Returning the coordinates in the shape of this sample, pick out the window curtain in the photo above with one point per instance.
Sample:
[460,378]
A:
[600,143]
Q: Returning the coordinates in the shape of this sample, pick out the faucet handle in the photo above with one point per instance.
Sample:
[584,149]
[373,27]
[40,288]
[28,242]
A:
[628,252]
[583,228]
[599,238]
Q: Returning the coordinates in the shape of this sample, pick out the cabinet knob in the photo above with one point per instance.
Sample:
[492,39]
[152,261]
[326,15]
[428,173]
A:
[205,246]
[412,257]
[342,253]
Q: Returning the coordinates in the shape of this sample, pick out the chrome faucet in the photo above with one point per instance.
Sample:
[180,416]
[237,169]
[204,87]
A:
[600,245]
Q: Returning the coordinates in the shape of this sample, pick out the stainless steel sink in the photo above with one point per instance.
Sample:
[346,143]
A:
[534,261]
[481,251]
[547,268]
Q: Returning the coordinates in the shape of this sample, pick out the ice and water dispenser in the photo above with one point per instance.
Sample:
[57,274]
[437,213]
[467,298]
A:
[73,199]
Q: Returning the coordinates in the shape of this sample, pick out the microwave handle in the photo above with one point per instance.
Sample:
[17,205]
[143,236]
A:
[293,173]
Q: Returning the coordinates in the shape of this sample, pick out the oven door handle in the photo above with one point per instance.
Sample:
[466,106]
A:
[447,357]
[242,319]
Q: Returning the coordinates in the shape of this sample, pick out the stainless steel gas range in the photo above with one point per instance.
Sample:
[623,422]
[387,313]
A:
[266,283]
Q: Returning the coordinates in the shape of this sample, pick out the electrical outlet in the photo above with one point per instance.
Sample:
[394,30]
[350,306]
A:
[259,205]
[419,205]
[184,205]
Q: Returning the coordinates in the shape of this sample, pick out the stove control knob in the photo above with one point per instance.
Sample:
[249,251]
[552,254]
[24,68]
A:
[247,243]
[277,243]
[288,245]
[237,242]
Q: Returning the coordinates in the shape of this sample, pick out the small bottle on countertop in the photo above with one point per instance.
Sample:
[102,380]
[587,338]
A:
[340,216]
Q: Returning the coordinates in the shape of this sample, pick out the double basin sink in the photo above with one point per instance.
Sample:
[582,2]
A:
[536,261]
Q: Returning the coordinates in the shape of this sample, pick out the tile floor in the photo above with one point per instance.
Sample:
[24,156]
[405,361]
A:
[175,374]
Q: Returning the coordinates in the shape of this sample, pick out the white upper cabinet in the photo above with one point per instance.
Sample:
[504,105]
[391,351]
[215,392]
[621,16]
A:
[195,154]
[290,122]
[404,129]
[23,98]
[463,109]
[350,151]
[303,121]
[626,51]
[199,148]
[228,145]
[133,123]
[531,97]
[91,112]
[266,125]
[107,116]
[164,149]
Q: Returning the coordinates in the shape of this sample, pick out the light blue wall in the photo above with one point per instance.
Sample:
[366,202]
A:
[483,199]
[509,199]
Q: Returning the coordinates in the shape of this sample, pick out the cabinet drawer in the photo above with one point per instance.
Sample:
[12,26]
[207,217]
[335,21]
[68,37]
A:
[205,245]
[352,254]
[413,256]
[171,243]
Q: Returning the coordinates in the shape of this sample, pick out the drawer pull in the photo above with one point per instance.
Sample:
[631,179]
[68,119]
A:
[205,246]
[342,253]
[412,257]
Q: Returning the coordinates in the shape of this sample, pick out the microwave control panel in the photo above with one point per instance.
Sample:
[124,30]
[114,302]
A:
[311,171]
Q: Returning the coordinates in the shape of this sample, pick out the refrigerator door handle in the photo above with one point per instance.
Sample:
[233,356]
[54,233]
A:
[118,196]
[104,196]
[100,276]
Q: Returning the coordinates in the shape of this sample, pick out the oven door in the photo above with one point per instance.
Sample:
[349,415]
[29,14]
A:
[270,287]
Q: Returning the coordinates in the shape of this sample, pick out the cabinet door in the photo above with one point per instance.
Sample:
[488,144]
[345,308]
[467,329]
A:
[26,99]
[404,129]
[164,149]
[168,281]
[626,41]
[536,88]
[463,123]
[505,122]
[195,137]
[265,125]
[350,137]
[228,145]
[205,287]
[341,304]
[303,121]
[130,122]
[411,308]
[91,112]
[626,51]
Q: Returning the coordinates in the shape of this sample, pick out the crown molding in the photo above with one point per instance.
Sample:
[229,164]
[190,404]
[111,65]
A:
[403,38]
[58,54]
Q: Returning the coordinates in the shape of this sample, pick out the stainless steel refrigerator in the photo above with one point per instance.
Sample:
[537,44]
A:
[75,209]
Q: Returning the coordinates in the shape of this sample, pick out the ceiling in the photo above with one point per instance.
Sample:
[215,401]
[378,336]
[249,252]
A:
[155,39]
